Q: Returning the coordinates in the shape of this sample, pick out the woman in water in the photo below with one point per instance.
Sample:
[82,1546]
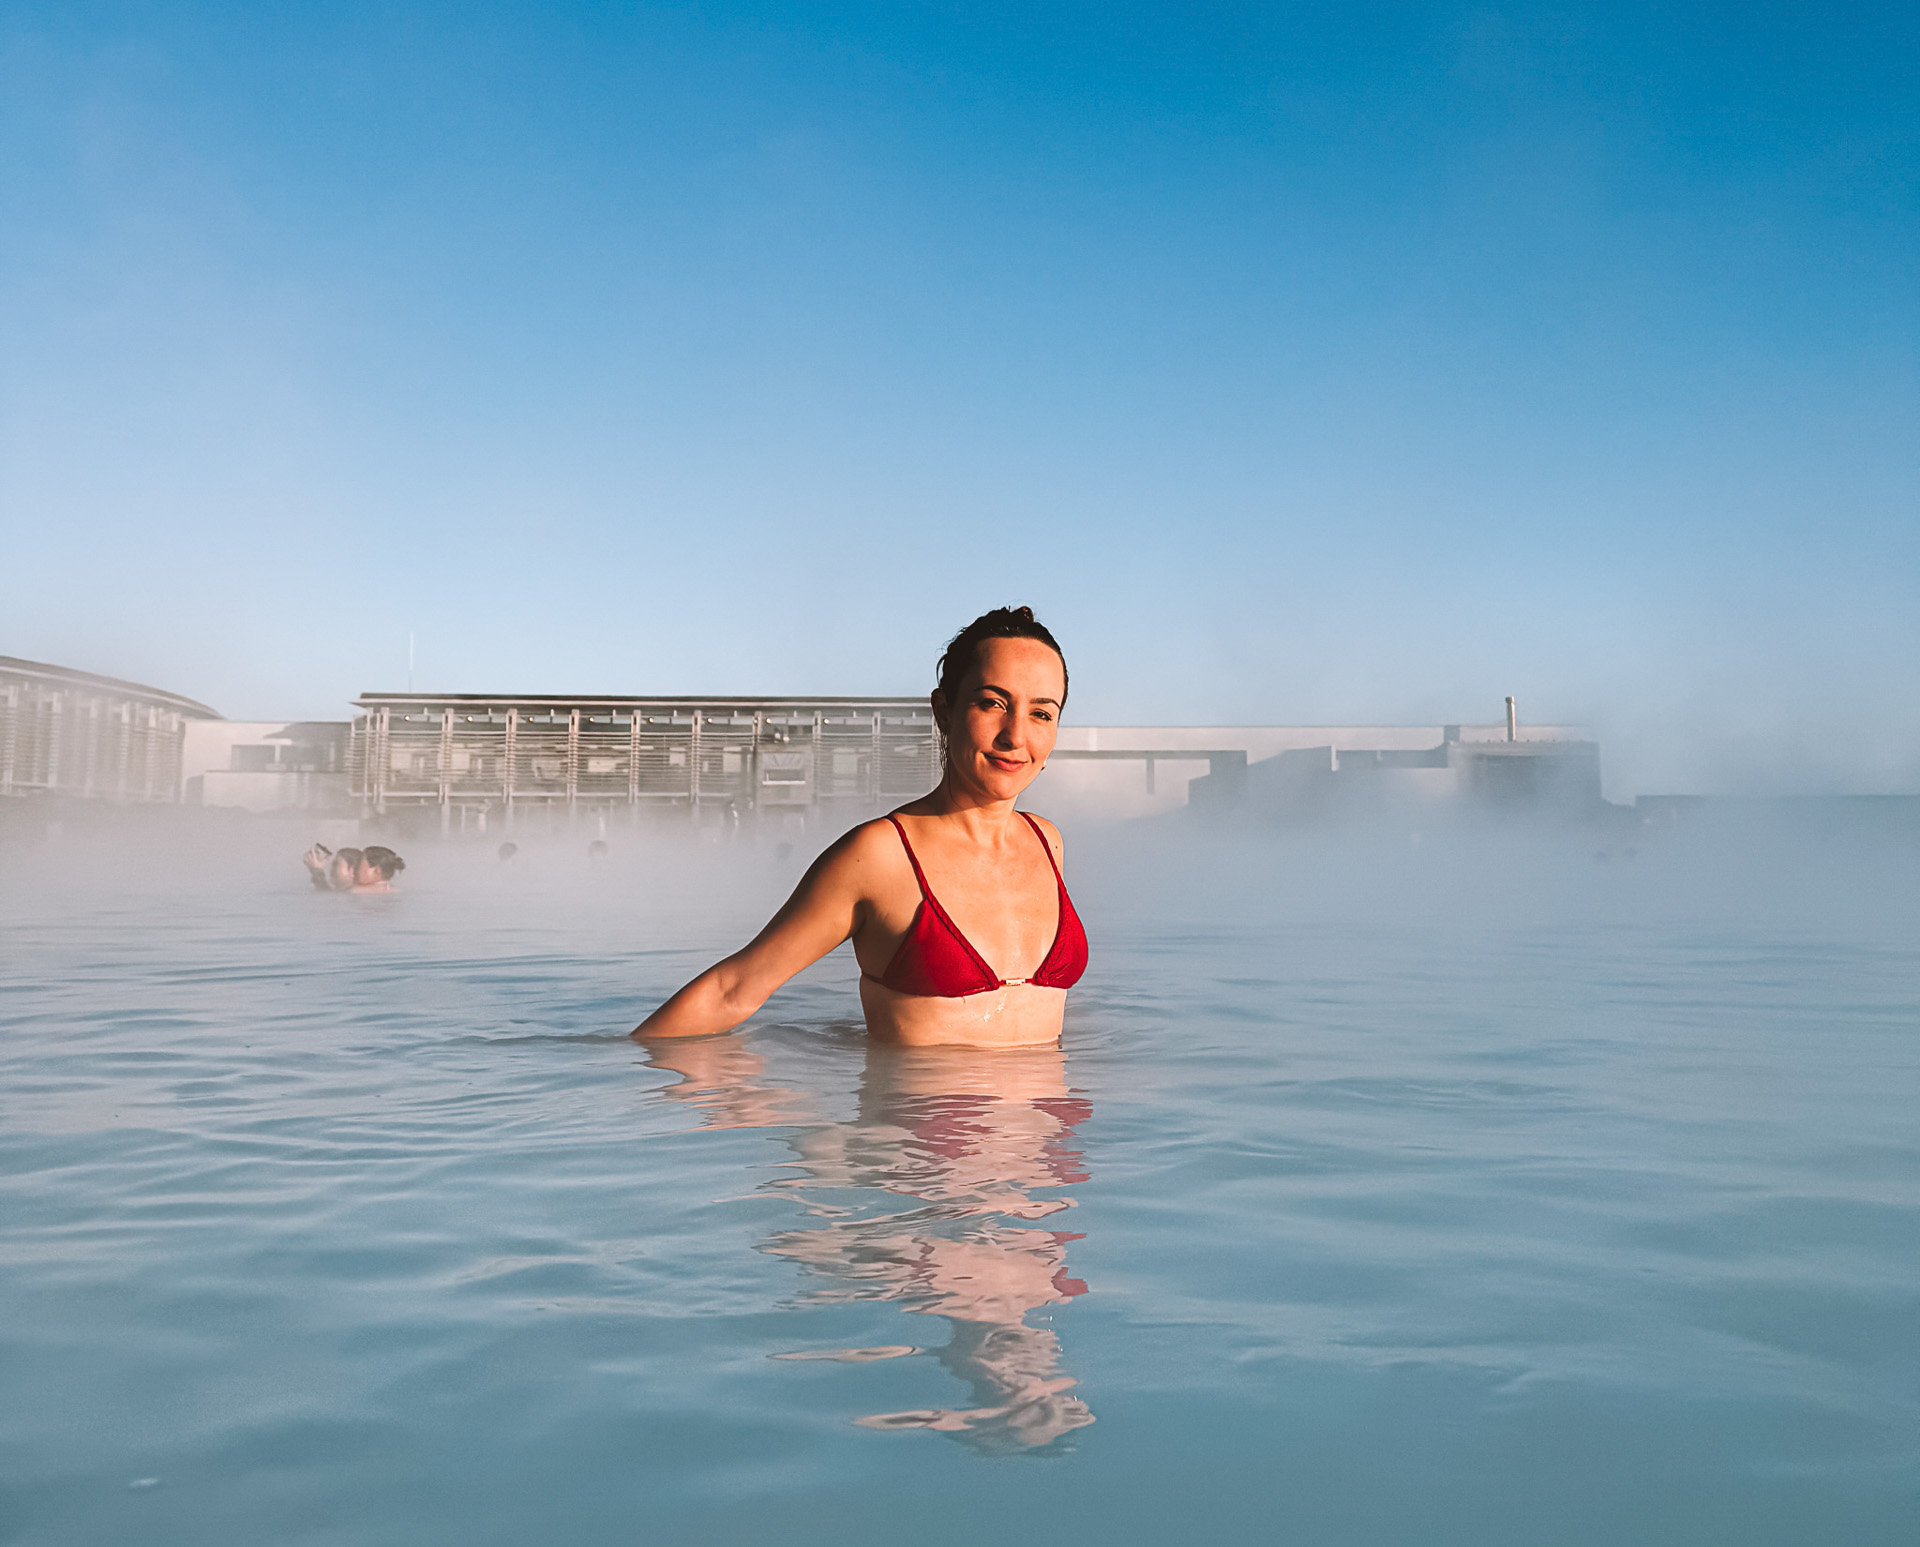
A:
[353,870]
[955,904]
[376,869]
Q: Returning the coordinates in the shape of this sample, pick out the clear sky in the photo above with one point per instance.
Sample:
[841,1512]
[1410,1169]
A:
[1339,362]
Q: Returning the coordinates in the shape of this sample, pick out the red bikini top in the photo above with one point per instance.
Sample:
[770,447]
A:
[936,960]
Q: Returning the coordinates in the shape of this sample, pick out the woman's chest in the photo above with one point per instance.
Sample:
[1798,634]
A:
[1007,914]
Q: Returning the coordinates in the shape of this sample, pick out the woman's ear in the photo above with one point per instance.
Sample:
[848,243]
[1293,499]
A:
[937,701]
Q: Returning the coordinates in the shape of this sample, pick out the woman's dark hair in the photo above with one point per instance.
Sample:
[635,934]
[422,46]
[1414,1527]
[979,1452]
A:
[383,860]
[963,650]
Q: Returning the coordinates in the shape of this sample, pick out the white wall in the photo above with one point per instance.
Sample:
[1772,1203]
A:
[208,777]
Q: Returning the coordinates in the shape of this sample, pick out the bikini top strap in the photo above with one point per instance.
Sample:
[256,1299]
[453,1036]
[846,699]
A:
[1041,835]
[912,858]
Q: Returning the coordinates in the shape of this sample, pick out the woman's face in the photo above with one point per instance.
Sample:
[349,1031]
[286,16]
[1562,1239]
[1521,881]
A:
[1001,731]
[368,874]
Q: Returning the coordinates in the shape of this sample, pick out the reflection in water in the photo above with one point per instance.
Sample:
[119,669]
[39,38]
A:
[970,1137]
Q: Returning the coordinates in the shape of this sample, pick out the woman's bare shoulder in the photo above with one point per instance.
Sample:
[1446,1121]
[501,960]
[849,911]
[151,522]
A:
[1051,833]
[873,848]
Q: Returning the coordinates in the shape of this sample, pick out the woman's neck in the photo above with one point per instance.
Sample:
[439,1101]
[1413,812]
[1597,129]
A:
[980,816]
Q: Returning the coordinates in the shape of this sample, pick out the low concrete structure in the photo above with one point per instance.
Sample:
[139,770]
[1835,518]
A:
[1321,783]
[1280,772]
[78,735]
[267,766]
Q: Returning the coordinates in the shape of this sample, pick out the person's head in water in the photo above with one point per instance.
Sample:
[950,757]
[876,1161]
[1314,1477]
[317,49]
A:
[597,850]
[1003,684]
[377,868]
[507,851]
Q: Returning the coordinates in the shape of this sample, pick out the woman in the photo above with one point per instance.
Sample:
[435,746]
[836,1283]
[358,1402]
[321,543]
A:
[376,869]
[955,904]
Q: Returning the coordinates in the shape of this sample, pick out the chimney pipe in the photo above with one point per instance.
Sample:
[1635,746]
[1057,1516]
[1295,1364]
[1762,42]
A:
[1513,723]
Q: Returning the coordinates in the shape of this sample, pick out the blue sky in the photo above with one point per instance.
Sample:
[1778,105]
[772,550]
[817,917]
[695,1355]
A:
[1332,363]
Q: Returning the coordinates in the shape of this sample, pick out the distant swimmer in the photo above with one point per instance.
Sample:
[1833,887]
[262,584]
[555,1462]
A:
[597,850]
[955,904]
[507,851]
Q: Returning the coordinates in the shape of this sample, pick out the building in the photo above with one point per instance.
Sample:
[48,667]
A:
[1548,769]
[73,734]
[480,759]
[1268,773]
[267,766]
[469,761]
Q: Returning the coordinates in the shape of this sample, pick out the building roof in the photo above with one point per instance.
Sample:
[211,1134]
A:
[192,708]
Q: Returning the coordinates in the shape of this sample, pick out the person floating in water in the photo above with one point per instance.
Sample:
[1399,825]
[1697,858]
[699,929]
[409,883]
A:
[955,904]
[353,870]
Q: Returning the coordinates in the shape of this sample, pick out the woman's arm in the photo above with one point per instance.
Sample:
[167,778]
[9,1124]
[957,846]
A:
[823,911]
[319,859]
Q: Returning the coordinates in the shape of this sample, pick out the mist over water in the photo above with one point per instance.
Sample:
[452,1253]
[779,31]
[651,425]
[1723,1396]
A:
[1499,1186]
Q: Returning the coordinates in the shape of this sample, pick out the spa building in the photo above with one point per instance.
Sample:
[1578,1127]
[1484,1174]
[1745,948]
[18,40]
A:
[67,734]
[480,761]
[468,762]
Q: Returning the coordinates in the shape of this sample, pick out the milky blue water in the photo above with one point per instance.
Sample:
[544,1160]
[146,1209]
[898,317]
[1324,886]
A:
[1473,1197]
